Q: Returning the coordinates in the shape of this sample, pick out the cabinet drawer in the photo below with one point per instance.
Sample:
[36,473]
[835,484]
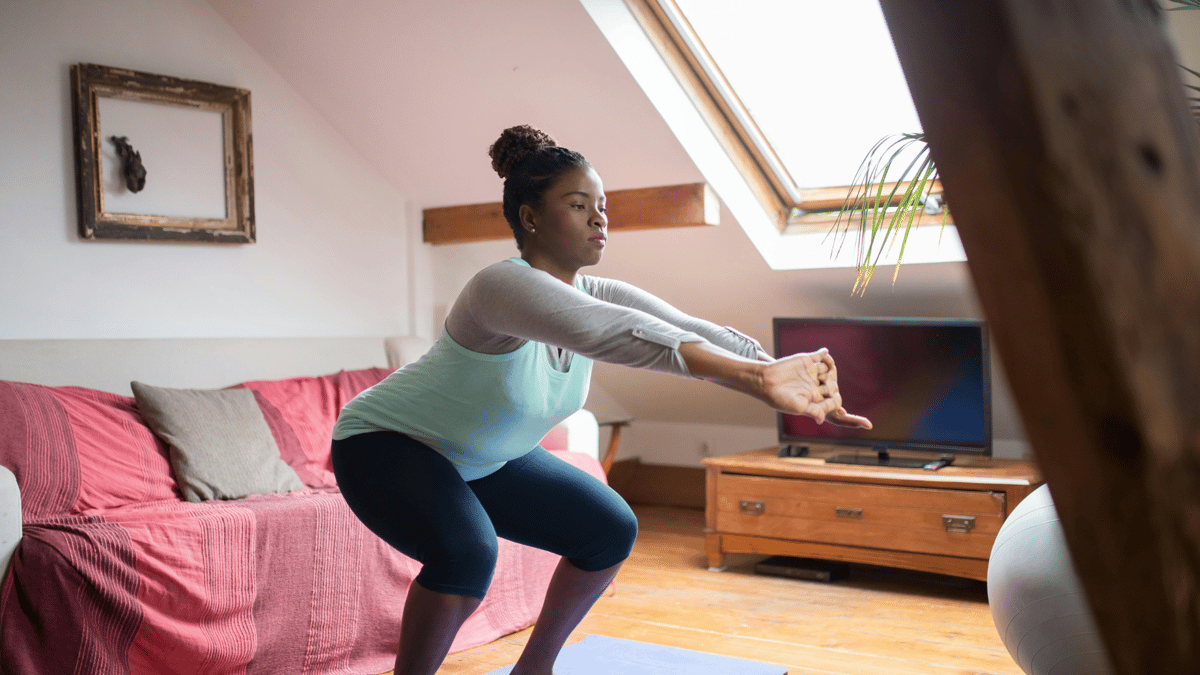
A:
[919,520]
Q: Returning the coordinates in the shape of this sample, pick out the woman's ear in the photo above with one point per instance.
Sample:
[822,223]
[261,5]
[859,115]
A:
[528,218]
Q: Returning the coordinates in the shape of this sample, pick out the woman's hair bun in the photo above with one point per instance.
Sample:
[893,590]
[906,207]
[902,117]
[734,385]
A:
[514,145]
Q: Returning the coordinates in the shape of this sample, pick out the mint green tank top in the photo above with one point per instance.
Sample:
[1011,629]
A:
[478,410]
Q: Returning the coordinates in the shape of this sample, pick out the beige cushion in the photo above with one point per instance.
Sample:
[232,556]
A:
[220,444]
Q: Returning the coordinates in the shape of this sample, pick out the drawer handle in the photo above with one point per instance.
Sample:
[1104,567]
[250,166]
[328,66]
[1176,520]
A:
[752,507]
[961,524]
[848,513]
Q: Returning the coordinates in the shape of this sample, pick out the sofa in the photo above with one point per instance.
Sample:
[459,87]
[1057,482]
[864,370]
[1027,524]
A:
[118,569]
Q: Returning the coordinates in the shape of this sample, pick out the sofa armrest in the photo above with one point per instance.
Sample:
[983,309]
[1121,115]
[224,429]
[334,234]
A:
[583,433]
[404,349]
[10,518]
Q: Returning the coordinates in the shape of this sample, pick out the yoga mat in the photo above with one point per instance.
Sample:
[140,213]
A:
[600,655]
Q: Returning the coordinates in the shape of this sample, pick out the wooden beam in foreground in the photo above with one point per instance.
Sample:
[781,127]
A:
[687,205]
[1070,162]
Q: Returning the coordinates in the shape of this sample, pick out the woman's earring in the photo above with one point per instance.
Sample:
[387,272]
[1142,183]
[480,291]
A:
[532,230]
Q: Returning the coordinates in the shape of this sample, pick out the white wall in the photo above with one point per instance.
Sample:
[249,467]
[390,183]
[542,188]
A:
[678,444]
[332,255]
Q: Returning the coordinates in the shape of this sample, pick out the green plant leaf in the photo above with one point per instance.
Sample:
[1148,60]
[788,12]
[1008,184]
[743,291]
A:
[880,223]
[1193,101]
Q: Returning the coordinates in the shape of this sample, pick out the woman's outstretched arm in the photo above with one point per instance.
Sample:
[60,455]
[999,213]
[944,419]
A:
[507,304]
[800,384]
[628,295]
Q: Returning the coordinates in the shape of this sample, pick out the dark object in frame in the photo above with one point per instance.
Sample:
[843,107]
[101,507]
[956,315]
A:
[803,568]
[90,82]
[132,168]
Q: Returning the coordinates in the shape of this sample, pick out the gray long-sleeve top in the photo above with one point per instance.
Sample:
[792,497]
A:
[506,304]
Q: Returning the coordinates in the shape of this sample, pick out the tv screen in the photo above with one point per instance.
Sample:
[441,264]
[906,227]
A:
[924,383]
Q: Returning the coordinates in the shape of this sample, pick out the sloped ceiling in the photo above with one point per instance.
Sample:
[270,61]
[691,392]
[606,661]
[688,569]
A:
[422,87]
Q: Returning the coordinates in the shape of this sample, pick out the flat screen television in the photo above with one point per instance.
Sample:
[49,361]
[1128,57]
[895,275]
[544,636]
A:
[925,384]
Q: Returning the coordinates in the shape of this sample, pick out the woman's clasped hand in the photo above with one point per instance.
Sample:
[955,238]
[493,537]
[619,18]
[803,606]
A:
[807,384]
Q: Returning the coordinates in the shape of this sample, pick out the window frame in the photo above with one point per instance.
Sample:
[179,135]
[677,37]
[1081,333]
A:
[792,209]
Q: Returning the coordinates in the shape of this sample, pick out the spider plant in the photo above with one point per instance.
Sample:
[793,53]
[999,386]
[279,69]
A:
[884,221]
[1193,88]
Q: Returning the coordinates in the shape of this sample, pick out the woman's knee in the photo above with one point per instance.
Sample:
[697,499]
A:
[614,535]
[462,566]
[625,529]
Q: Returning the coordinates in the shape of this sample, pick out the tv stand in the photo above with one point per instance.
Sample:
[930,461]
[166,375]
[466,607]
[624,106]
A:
[883,458]
[807,507]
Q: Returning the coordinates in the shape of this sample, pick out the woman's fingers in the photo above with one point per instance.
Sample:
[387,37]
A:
[810,388]
[824,357]
[816,412]
[845,419]
[829,406]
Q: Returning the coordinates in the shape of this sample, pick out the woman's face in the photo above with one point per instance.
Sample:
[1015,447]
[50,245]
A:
[571,226]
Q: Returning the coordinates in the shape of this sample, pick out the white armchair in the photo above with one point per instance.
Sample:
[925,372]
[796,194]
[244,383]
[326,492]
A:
[404,349]
[10,518]
[583,433]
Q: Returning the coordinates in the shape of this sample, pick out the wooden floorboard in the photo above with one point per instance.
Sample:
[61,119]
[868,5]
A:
[876,621]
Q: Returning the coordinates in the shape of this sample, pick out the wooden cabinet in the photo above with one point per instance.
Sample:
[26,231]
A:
[940,521]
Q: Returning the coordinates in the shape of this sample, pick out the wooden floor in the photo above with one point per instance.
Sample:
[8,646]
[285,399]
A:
[874,622]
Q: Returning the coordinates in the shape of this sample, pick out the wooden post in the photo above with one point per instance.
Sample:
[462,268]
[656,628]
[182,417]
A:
[1072,169]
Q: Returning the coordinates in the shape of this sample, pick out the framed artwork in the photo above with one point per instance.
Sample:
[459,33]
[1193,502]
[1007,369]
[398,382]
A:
[161,158]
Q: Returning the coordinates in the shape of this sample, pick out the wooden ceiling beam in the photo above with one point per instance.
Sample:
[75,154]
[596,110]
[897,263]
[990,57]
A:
[686,205]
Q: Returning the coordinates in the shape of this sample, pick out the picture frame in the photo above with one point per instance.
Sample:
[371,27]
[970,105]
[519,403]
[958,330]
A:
[161,158]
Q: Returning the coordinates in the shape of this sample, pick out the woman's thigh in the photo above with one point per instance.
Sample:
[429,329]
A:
[414,499]
[542,501]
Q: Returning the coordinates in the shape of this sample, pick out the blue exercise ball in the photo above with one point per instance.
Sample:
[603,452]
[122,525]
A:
[1036,600]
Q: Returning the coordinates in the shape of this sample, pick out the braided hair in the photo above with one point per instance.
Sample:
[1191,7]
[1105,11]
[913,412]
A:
[529,161]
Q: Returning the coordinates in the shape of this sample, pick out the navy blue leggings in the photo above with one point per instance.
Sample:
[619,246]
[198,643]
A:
[416,501]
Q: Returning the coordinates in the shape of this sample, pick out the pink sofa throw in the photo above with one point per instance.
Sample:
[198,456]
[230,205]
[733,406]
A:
[116,573]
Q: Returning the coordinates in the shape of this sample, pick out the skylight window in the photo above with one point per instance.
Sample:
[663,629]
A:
[798,92]
[778,102]
[820,80]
